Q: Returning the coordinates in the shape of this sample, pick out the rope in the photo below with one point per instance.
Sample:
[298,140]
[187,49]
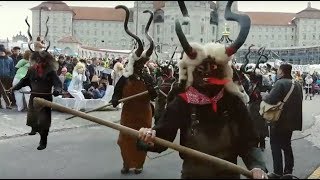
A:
[160,155]
[301,137]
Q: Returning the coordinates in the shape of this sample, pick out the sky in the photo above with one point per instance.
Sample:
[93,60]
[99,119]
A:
[13,13]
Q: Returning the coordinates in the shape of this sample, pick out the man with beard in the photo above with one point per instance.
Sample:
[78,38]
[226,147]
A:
[209,112]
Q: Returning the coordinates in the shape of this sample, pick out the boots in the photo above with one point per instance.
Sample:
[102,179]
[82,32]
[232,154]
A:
[43,140]
[137,170]
[33,131]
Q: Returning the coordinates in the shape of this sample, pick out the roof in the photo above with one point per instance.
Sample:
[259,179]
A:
[309,12]
[158,4]
[69,39]
[270,18]
[54,6]
[99,13]
[92,48]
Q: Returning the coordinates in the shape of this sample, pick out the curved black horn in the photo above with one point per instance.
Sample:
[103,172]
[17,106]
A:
[244,22]
[29,34]
[243,67]
[151,48]
[184,11]
[45,36]
[184,42]
[156,54]
[261,53]
[171,60]
[140,46]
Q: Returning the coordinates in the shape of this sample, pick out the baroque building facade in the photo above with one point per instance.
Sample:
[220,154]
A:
[102,28]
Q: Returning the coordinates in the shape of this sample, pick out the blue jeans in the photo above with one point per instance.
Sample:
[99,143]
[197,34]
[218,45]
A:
[281,140]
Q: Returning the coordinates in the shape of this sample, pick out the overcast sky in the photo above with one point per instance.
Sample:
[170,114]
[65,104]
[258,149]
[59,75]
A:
[13,13]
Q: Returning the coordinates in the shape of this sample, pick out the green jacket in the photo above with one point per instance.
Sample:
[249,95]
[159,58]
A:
[22,66]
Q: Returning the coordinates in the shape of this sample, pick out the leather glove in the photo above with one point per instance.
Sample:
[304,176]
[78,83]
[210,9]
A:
[115,102]
[56,93]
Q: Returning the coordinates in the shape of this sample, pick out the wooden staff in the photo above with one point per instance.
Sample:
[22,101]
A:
[134,133]
[109,104]
[163,93]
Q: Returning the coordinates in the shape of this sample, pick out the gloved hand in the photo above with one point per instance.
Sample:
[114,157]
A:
[56,93]
[115,102]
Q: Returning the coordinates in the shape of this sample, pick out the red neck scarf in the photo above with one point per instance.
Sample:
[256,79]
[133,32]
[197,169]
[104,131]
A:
[192,96]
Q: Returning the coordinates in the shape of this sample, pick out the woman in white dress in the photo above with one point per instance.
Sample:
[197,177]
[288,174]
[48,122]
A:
[76,86]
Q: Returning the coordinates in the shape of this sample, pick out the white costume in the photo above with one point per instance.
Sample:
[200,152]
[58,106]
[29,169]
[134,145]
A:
[76,86]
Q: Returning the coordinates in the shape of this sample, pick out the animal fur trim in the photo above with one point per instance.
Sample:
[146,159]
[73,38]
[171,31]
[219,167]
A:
[129,67]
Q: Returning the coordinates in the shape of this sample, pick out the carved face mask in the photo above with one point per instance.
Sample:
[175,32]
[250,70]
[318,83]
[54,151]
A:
[209,73]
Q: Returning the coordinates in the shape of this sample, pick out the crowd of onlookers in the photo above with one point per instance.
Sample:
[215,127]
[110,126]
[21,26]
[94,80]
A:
[96,75]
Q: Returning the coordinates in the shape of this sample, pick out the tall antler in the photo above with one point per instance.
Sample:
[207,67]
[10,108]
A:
[45,36]
[243,67]
[245,23]
[151,48]
[184,11]
[29,34]
[139,50]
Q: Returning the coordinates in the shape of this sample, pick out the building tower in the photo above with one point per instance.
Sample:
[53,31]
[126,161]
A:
[221,6]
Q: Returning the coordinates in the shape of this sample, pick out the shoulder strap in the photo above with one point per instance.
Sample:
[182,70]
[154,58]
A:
[289,93]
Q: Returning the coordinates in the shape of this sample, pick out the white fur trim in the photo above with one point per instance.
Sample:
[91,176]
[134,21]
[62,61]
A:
[218,51]
[129,67]
[187,65]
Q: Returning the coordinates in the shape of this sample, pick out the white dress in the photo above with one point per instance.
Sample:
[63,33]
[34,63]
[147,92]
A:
[75,88]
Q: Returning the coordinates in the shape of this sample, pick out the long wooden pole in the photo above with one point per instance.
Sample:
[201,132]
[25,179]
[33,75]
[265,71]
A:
[109,104]
[134,133]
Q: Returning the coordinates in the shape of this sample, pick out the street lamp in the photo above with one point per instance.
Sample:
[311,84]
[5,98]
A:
[45,8]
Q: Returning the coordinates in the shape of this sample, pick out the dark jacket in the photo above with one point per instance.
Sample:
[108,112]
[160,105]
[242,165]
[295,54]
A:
[227,134]
[16,59]
[291,116]
[92,71]
[7,68]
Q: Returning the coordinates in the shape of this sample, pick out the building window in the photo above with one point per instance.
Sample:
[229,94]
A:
[158,29]
[172,28]
[109,33]
[304,36]
[95,24]
[314,28]
[259,36]
[314,36]
[74,32]
[279,36]
[267,37]
[158,40]
[64,20]
[202,29]
[213,30]
[88,32]
[252,36]
[291,37]
[272,36]
[292,29]
[186,29]
[201,40]
[285,37]
[142,29]
[267,29]
[102,33]
[172,39]
[95,32]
